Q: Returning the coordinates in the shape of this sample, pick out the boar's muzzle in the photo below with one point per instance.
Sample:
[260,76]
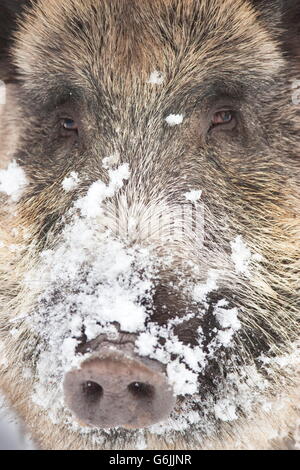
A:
[114,389]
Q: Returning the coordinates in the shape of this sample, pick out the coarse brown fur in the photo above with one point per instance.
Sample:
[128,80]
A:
[92,59]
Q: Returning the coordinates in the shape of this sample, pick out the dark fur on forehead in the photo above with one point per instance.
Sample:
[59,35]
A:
[172,16]
[88,43]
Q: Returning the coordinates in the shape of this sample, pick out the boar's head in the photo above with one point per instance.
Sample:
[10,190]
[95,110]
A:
[155,244]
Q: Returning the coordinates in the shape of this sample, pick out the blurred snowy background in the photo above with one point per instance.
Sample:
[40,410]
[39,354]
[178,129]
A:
[12,436]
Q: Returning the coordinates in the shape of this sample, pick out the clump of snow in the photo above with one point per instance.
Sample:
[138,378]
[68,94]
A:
[182,379]
[228,319]
[15,232]
[156,78]
[225,337]
[190,359]
[202,290]
[193,196]
[225,411]
[146,344]
[13,181]
[174,119]
[112,160]
[71,182]
[242,256]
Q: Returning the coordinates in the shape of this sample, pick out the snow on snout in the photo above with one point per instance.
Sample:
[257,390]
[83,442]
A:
[91,204]
[242,256]
[86,283]
[229,322]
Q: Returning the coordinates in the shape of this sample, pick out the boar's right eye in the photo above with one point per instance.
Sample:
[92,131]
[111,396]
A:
[69,127]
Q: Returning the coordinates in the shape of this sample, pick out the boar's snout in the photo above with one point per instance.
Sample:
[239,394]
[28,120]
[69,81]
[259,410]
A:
[114,390]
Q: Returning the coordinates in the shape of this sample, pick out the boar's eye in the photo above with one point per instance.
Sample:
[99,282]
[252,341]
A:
[69,127]
[224,119]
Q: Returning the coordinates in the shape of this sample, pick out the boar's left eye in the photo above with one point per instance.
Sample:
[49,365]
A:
[69,127]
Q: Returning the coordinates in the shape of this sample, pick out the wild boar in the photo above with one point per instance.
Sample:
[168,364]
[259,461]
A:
[150,230]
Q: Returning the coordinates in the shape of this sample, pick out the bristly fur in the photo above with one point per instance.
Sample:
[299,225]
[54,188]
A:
[93,58]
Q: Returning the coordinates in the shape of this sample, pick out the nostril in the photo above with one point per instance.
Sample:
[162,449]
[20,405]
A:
[92,392]
[141,390]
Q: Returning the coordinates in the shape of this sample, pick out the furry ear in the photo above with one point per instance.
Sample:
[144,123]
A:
[10,12]
[291,25]
[283,15]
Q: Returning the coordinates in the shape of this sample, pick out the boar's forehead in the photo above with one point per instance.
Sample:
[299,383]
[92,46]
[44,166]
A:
[114,45]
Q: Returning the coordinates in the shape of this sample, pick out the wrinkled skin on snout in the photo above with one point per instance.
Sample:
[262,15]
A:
[149,277]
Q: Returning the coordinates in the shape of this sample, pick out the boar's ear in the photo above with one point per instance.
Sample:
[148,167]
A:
[291,26]
[10,12]
[283,16]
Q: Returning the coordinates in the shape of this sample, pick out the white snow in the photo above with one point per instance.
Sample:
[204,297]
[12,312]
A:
[112,160]
[13,181]
[174,119]
[193,196]
[228,318]
[182,379]
[241,255]
[156,78]
[71,182]
[202,290]
[91,204]
[146,344]
[225,337]
[225,411]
